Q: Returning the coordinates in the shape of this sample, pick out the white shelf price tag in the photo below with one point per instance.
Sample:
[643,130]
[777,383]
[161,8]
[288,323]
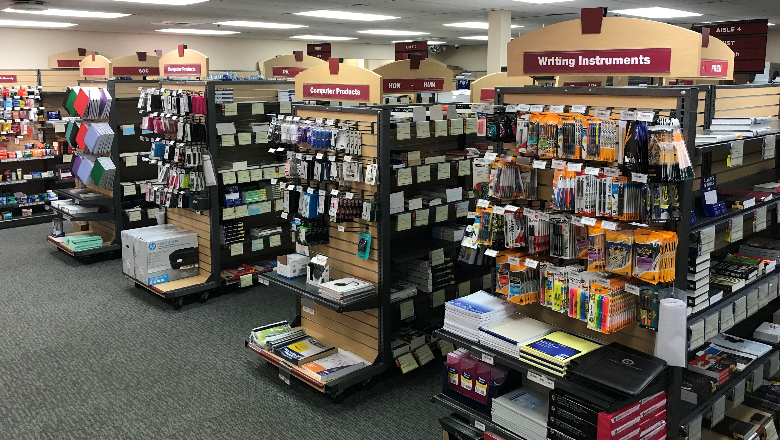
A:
[491,253]
[637,177]
[556,108]
[579,108]
[589,221]
[533,264]
[479,425]
[592,171]
[558,164]
[284,373]
[612,226]
[541,379]
[540,164]
[487,358]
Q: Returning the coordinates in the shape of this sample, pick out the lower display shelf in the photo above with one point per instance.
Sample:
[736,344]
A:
[477,419]
[333,387]
[58,241]
[178,288]
[26,220]
[89,216]
[299,287]
[691,411]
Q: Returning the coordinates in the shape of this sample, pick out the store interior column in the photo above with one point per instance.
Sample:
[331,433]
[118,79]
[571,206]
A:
[499,34]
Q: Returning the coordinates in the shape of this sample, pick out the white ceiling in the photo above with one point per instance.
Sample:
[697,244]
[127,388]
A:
[416,15]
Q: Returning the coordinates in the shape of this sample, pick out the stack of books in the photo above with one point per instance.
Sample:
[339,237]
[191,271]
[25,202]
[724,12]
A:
[335,366]
[761,248]
[555,351]
[748,126]
[78,243]
[304,350]
[725,355]
[259,335]
[523,411]
[464,316]
[347,290]
[508,334]
[698,288]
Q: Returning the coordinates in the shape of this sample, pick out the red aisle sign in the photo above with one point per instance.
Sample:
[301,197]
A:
[94,71]
[341,92]
[413,85]
[68,63]
[714,68]
[136,71]
[7,79]
[288,72]
[736,29]
[487,95]
[639,61]
[582,83]
[181,69]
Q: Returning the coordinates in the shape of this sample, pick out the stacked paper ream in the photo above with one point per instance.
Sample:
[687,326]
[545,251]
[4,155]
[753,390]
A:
[82,242]
[464,316]
[99,138]
[523,411]
[103,172]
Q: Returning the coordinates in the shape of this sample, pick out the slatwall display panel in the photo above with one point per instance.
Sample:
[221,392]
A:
[23,78]
[747,101]
[341,330]
[106,230]
[754,168]
[199,224]
[257,92]
[58,80]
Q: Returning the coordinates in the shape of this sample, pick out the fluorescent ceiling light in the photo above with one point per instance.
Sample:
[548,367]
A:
[341,15]
[42,24]
[656,12]
[260,24]
[543,1]
[69,13]
[436,42]
[770,24]
[165,2]
[476,37]
[392,32]
[197,31]
[322,38]
[475,25]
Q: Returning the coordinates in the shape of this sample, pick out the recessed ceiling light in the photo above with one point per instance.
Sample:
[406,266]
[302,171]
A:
[392,32]
[656,12]
[197,31]
[475,37]
[260,24]
[544,1]
[341,15]
[476,25]
[69,13]
[436,42]
[27,23]
[322,38]
[165,2]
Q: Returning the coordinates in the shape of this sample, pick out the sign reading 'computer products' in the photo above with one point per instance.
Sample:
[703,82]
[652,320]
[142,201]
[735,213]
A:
[637,61]
[341,92]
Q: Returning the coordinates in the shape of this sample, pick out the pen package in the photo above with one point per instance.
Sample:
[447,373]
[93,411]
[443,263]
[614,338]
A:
[619,252]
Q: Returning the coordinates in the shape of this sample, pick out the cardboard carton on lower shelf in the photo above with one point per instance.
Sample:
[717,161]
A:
[167,257]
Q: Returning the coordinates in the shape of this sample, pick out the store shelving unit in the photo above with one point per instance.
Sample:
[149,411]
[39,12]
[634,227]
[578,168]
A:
[40,212]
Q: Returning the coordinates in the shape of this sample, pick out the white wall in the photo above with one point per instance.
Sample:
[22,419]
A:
[773,46]
[467,57]
[224,53]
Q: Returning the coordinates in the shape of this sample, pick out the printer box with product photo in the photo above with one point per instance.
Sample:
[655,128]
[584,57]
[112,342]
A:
[169,257]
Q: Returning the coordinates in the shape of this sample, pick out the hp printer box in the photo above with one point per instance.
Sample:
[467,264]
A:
[160,259]
[128,248]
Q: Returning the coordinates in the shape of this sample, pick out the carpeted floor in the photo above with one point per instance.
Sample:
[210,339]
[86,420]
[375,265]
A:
[84,355]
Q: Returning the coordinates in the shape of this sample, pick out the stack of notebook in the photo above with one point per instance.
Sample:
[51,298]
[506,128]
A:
[281,339]
[347,290]
[464,316]
[522,411]
[259,335]
[555,351]
[508,334]
[335,366]
[303,351]
[747,126]
[84,242]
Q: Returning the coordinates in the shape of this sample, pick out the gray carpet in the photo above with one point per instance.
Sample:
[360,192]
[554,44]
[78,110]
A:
[84,355]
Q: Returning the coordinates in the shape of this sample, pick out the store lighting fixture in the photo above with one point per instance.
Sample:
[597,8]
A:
[36,24]
[476,37]
[341,15]
[656,12]
[431,42]
[260,24]
[165,2]
[770,24]
[543,1]
[476,25]
[69,13]
[322,38]
[197,31]
[393,32]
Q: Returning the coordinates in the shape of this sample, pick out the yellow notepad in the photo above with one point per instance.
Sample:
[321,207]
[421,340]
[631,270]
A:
[558,347]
